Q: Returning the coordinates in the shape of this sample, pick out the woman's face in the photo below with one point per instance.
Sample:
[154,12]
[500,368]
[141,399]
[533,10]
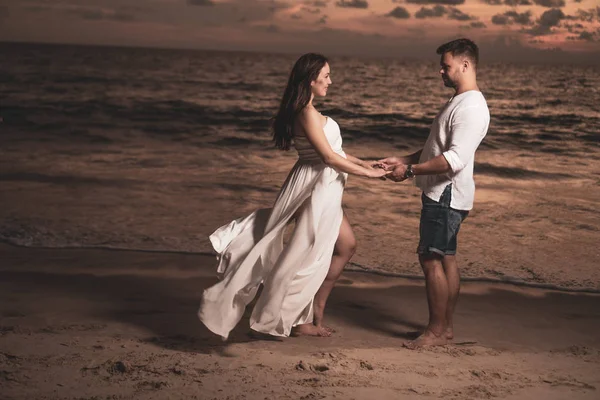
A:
[320,85]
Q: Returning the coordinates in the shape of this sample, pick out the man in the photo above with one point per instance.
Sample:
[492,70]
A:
[443,170]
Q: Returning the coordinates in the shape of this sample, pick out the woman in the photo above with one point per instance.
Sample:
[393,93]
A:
[297,278]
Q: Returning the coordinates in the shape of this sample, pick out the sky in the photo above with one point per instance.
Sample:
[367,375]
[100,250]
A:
[513,30]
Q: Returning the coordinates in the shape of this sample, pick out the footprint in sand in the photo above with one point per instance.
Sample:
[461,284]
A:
[567,381]
[302,366]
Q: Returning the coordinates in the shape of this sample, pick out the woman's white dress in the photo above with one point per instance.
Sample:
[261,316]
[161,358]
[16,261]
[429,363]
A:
[251,250]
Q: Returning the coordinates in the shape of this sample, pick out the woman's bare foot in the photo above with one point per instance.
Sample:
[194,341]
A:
[325,327]
[428,338]
[449,333]
[310,330]
[328,328]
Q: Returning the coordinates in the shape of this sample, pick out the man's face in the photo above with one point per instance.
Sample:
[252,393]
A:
[450,69]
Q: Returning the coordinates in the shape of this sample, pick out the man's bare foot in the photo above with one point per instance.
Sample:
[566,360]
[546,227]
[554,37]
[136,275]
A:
[428,338]
[449,333]
[310,330]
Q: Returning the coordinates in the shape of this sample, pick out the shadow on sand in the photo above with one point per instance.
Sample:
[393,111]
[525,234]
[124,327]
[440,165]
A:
[160,293]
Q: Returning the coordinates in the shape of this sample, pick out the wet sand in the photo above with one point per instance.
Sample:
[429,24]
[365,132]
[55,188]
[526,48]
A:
[535,218]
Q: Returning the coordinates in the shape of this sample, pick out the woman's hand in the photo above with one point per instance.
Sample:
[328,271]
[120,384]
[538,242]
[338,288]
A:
[378,173]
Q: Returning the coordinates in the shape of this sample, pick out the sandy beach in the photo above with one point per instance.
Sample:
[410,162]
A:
[116,165]
[97,324]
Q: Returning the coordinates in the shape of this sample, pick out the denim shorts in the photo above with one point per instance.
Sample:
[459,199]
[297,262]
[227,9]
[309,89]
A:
[439,225]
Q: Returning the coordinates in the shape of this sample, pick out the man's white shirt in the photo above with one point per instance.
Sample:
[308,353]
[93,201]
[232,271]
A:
[456,132]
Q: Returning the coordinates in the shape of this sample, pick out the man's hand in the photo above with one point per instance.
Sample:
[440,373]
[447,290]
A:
[387,163]
[398,173]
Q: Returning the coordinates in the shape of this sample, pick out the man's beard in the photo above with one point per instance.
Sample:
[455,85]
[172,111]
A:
[449,82]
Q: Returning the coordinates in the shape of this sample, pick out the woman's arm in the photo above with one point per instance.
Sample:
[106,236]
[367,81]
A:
[311,123]
[358,161]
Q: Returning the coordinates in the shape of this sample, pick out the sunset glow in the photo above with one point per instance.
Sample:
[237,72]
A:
[369,27]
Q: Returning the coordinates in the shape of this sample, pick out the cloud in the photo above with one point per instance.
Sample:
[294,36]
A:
[551,17]
[591,15]
[511,3]
[399,13]
[573,28]
[477,25]
[445,2]
[501,19]
[434,12]
[517,2]
[109,10]
[550,3]
[512,17]
[311,10]
[177,23]
[547,21]
[231,12]
[439,11]
[352,4]
[201,3]
[585,36]
[456,14]
[88,12]
[316,3]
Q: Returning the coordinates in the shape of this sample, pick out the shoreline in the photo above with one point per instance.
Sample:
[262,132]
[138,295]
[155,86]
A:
[350,267]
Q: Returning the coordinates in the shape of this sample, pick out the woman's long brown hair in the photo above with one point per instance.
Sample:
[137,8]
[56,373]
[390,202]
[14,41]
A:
[295,97]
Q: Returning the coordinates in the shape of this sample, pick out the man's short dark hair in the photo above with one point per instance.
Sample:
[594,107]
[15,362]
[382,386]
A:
[461,47]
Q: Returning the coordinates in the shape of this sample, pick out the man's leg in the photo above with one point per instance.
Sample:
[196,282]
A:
[455,219]
[436,286]
[453,279]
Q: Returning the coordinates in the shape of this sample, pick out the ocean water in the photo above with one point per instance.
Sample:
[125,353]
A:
[154,149]
[101,93]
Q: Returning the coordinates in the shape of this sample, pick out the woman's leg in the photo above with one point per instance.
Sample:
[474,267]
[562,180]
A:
[344,249]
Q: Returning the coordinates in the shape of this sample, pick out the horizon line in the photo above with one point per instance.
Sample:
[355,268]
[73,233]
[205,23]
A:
[586,59]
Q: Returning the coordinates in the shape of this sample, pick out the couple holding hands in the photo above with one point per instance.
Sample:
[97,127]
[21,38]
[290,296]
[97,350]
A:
[298,276]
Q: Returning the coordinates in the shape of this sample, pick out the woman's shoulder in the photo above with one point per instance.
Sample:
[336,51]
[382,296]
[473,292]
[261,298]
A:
[308,118]
[308,113]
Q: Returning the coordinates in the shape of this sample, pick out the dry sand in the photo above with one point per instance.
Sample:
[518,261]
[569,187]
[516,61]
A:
[105,324]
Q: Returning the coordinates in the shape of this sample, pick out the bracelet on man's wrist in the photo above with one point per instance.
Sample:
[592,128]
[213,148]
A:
[409,172]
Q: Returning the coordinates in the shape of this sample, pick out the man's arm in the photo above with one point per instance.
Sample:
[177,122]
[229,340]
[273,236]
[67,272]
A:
[390,162]
[468,130]
[435,166]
